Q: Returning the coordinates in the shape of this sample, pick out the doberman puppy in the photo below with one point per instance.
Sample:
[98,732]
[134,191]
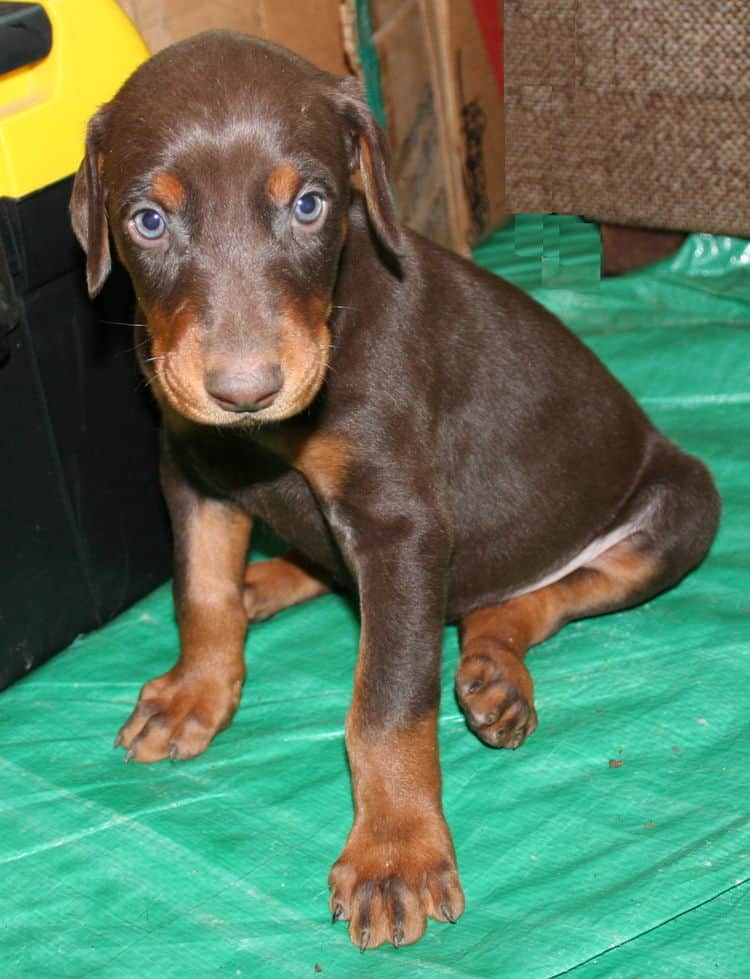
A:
[418,430]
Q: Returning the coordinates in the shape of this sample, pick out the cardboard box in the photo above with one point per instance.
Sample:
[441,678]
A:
[312,28]
[441,89]
[440,74]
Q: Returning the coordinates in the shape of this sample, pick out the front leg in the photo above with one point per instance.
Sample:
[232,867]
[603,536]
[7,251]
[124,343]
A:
[398,866]
[179,713]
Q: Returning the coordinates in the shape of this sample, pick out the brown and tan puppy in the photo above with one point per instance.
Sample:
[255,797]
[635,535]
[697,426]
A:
[419,431]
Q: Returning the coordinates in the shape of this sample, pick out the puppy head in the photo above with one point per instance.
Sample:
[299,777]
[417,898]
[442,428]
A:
[222,170]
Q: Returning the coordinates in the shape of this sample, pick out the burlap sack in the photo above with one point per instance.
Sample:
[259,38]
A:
[634,112]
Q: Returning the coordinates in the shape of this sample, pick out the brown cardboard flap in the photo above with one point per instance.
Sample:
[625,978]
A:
[444,117]
[312,28]
[475,118]
[411,100]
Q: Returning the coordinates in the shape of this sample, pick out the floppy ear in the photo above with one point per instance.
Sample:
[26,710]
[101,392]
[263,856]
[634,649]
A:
[87,212]
[368,154]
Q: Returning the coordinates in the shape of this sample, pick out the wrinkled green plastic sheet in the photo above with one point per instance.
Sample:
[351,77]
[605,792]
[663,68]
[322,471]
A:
[571,864]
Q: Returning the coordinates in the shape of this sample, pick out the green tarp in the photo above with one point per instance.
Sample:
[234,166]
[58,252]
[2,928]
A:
[570,863]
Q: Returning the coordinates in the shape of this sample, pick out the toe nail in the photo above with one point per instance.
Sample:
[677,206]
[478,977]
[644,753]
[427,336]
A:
[398,938]
[448,914]
[174,752]
[337,912]
[129,755]
[118,740]
[364,940]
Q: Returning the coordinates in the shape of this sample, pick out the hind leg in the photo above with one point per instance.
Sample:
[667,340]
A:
[675,516]
[493,684]
[280,582]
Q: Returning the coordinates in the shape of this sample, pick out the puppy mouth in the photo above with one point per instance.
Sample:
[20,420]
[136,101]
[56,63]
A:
[193,401]
[243,389]
[243,407]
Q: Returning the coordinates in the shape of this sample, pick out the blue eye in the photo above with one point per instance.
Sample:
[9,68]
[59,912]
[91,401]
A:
[308,208]
[149,224]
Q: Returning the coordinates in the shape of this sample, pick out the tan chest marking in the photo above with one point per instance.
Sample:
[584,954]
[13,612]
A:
[323,458]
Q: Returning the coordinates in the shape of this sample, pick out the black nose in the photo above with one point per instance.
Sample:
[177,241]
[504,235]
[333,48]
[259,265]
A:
[243,387]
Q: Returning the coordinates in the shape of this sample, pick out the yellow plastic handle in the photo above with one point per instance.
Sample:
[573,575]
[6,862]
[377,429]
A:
[44,107]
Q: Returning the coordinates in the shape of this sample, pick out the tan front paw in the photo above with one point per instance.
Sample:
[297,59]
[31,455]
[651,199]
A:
[387,887]
[177,715]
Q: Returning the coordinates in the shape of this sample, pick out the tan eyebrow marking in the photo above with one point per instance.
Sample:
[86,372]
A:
[283,184]
[167,190]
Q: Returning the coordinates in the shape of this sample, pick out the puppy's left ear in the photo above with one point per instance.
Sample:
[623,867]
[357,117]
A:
[87,206]
[368,154]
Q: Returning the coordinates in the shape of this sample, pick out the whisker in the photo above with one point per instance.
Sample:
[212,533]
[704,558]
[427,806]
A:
[119,323]
[137,346]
